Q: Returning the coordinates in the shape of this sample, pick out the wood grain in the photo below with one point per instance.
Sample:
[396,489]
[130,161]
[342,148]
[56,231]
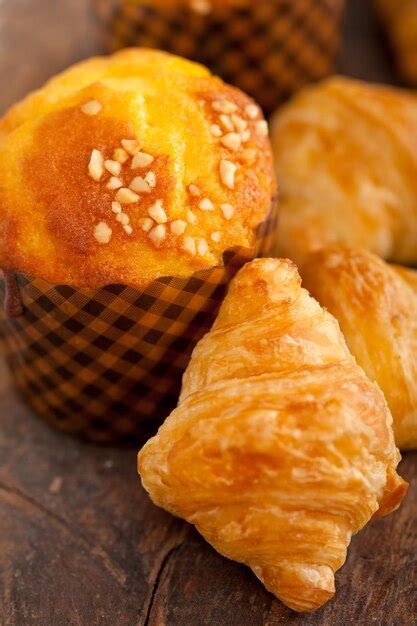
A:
[80,542]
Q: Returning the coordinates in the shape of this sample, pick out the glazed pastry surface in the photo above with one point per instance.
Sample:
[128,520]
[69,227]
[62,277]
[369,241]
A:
[347,165]
[376,307]
[399,18]
[280,447]
[185,157]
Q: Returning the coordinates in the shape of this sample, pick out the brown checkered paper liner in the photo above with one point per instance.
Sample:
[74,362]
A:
[107,364]
[268,48]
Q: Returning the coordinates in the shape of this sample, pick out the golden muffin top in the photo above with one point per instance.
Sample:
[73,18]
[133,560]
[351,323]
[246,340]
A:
[130,167]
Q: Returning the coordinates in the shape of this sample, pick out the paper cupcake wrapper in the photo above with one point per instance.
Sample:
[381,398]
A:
[268,48]
[107,364]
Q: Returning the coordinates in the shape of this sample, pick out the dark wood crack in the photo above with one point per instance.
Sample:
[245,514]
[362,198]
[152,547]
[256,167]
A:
[164,564]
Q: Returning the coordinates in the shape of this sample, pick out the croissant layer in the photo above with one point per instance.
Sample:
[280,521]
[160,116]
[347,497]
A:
[339,187]
[376,306]
[280,447]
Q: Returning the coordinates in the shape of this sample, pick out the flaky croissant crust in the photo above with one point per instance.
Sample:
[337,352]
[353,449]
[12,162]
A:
[280,447]
[347,164]
[376,307]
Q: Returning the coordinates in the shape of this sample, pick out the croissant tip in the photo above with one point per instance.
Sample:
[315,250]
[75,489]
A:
[395,491]
[311,605]
[302,588]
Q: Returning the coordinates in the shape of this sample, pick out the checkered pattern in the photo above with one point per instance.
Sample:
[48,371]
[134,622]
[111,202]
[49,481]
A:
[268,48]
[107,364]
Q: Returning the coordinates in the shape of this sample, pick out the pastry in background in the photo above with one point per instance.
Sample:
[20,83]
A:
[346,161]
[376,307]
[268,48]
[133,188]
[280,447]
[399,19]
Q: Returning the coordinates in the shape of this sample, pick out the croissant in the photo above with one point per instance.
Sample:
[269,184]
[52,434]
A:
[376,306]
[347,165]
[280,447]
[399,18]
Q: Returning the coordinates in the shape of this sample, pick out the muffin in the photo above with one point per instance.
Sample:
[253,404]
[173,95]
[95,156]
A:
[135,186]
[269,48]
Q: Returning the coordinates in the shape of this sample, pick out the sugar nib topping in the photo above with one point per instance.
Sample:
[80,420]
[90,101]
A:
[102,232]
[93,107]
[232,132]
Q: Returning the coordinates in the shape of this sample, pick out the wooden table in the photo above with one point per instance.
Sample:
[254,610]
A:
[80,541]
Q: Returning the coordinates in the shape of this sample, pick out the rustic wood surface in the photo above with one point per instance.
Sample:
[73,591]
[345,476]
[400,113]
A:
[80,543]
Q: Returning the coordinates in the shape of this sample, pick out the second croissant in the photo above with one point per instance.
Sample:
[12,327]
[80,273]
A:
[376,306]
[337,187]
